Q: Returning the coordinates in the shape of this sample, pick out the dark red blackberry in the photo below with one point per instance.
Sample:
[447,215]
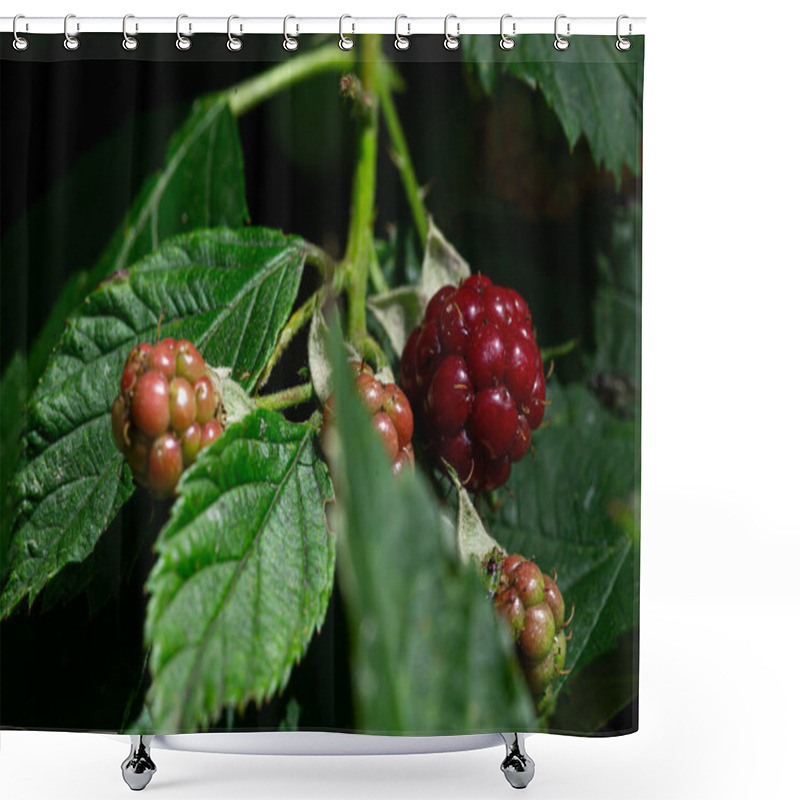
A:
[474,376]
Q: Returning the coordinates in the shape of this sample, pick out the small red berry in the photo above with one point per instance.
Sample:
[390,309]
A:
[552,594]
[398,408]
[450,397]
[182,405]
[538,631]
[370,391]
[189,363]
[162,358]
[529,583]
[190,443]
[210,432]
[494,421]
[165,465]
[387,433]
[206,399]
[150,404]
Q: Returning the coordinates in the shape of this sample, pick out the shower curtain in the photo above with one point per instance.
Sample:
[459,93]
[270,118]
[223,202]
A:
[320,385]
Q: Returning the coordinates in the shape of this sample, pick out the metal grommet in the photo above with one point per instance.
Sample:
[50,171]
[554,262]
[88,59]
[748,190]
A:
[234,43]
[182,42]
[20,42]
[623,44]
[290,43]
[345,42]
[128,42]
[401,42]
[506,42]
[70,42]
[451,42]
[560,43]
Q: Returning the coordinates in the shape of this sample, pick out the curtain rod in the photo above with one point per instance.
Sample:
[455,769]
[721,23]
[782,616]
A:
[567,26]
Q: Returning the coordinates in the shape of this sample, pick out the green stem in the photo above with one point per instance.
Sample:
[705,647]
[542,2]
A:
[379,282]
[318,258]
[563,349]
[402,158]
[285,398]
[360,250]
[248,94]
[295,324]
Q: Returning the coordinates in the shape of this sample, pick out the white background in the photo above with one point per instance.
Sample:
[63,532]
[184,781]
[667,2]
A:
[720,703]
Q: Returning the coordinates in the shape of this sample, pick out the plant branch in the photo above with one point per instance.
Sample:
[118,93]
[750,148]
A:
[246,95]
[285,398]
[360,250]
[295,324]
[402,159]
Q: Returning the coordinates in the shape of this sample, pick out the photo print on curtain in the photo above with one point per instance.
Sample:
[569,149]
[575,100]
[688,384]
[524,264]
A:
[321,386]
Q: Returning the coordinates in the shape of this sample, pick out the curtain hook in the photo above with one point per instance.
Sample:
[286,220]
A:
[289,43]
[129,42]
[401,42]
[345,42]
[622,43]
[506,42]
[561,43]
[70,42]
[20,42]
[234,43]
[182,42]
[451,42]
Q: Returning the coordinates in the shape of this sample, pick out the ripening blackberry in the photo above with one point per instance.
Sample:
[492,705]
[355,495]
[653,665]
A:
[532,605]
[166,412]
[390,413]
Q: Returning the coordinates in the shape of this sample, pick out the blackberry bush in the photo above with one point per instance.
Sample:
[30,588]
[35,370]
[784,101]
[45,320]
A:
[473,373]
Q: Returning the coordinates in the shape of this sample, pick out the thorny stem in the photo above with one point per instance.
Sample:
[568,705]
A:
[402,157]
[246,95]
[292,328]
[360,252]
[285,398]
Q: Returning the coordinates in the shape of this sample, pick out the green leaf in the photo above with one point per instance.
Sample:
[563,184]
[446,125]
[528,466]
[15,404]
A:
[244,573]
[594,89]
[428,652]
[474,542]
[228,292]
[575,508]
[618,307]
[400,310]
[201,185]
[13,391]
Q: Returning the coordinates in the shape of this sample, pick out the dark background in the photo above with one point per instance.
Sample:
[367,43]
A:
[79,132]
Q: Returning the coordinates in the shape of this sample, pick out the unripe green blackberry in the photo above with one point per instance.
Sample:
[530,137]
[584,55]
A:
[166,412]
[532,605]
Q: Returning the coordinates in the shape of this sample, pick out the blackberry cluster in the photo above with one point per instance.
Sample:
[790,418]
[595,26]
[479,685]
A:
[166,412]
[390,413]
[473,373]
[532,605]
